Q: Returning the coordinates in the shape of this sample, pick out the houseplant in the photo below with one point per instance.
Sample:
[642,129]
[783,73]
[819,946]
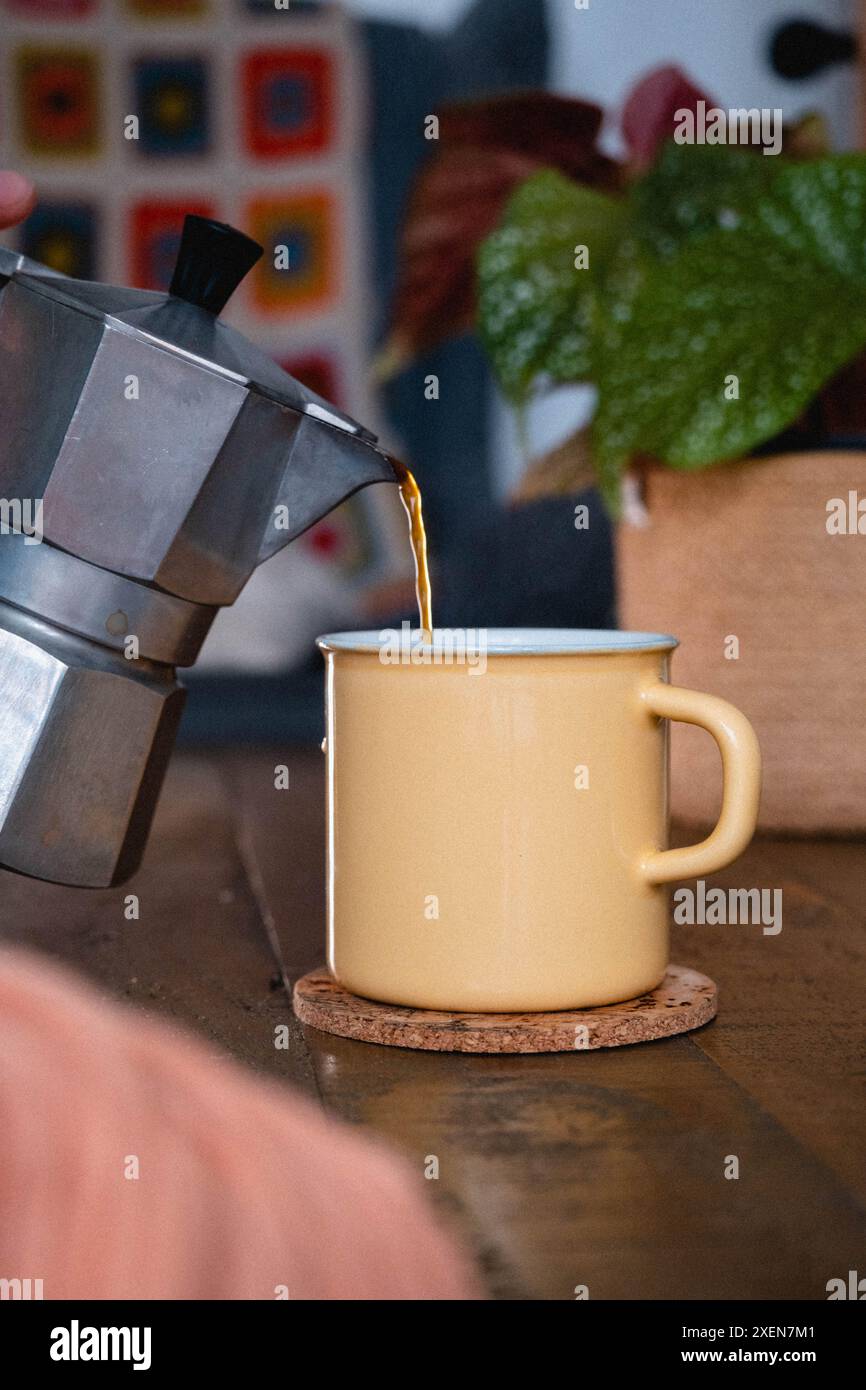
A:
[715,296]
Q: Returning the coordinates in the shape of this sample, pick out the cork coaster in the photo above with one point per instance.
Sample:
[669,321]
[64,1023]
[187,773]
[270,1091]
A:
[684,1000]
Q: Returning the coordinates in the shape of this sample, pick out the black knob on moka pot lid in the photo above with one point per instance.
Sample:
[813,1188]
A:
[212,260]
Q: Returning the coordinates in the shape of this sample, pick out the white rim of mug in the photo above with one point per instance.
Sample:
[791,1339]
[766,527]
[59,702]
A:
[514,641]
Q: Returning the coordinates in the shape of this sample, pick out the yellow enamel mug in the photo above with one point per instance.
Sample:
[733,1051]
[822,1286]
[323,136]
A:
[498,814]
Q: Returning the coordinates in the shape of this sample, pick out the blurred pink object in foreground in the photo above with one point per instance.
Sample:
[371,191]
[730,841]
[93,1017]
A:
[17,197]
[244,1191]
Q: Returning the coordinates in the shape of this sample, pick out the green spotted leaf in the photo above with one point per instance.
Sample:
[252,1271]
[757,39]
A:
[534,303]
[695,189]
[776,300]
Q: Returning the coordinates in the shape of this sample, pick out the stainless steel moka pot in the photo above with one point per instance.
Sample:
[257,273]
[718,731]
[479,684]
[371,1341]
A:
[154,457]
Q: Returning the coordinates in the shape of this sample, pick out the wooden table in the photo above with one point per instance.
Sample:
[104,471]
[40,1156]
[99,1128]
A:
[598,1168]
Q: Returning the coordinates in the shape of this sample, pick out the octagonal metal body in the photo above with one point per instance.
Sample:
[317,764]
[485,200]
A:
[84,744]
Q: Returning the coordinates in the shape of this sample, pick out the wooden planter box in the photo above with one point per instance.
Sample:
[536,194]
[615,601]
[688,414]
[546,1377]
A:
[743,551]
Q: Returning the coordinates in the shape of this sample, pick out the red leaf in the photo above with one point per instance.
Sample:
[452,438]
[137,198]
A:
[485,149]
[555,132]
[649,114]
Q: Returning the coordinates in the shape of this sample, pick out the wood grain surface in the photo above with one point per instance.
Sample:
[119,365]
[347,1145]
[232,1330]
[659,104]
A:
[603,1168]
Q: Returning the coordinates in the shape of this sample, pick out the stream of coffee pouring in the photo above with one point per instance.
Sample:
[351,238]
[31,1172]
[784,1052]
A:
[410,495]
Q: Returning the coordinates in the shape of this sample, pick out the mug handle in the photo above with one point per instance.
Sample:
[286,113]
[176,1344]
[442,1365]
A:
[741,787]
